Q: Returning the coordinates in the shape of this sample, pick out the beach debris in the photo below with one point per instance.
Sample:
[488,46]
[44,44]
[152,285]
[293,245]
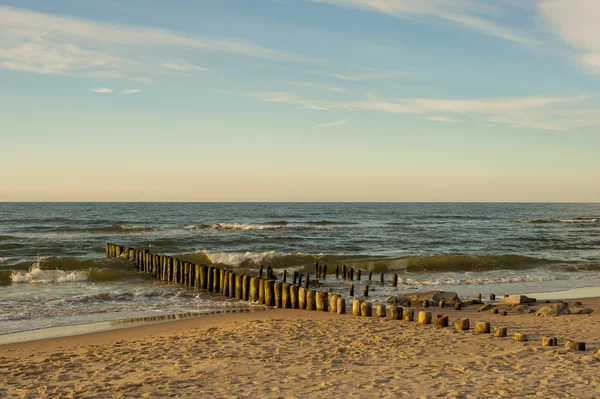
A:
[380,311]
[500,332]
[549,341]
[485,307]
[577,346]
[366,309]
[523,309]
[424,318]
[516,300]
[461,324]
[557,309]
[448,297]
[482,327]
[519,337]
[441,321]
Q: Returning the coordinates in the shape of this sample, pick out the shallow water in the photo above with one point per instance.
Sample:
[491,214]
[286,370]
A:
[53,271]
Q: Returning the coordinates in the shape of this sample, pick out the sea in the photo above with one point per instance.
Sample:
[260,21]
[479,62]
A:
[54,274]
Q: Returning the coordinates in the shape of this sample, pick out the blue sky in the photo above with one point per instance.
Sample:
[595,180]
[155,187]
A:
[300,100]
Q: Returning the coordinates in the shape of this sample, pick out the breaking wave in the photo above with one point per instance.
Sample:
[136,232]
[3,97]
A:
[576,220]
[243,227]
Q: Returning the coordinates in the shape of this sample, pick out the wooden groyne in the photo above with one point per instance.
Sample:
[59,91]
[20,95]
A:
[269,291]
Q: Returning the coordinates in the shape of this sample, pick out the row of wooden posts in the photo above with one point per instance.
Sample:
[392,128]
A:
[266,291]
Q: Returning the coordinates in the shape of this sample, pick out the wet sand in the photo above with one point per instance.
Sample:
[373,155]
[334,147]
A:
[302,354]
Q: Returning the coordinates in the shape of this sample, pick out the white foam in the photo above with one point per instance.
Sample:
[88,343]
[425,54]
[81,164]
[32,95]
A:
[4,259]
[591,220]
[236,258]
[38,275]
[241,226]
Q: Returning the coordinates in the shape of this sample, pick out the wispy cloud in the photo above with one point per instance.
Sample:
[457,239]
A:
[576,23]
[471,14]
[444,119]
[62,45]
[184,67]
[287,98]
[101,90]
[320,86]
[330,124]
[131,91]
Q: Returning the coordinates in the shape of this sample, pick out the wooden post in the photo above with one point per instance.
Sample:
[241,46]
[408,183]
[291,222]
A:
[380,311]
[442,304]
[381,277]
[325,272]
[302,298]
[492,297]
[284,276]
[494,311]
[311,303]
[337,271]
[503,313]
[366,309]
[254,282]
[107,250]
[299,280]
[232,280]
[366,290]
[458,306]
[224,276]
[461,324]
[210,279]
[260,271]
[341,305]
[358,275]
[520,337]
[286,301]
[479,296]
[351,289]
[317,269]
[306,282]
[239,287]
[322,301]
[295,278]
[278,295]
[261,291]
[394,280]
[269,273]
[482,327]
[175,270]
[424,318]
[295,296]
[344,272]
[426,303]
[577,346]
[441,321]
[370,274]
[549,341]
[356,305]
[269,292]
[395,312]
[500,332]
[246,288]
[351,273]
[196,275]
[408,315]
[333,303]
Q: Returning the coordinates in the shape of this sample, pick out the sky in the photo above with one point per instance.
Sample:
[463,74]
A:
[300,100]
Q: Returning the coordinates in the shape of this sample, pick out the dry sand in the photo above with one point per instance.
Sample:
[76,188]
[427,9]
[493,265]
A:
[302,354]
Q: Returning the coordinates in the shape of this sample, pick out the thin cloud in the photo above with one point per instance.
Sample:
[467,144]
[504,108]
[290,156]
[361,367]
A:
[101,90]
[444,119]
[131,91]
[287,98]
[330,124]
[464,13]
[184,67]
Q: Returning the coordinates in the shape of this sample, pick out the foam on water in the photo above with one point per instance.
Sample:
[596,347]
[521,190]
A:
[241,226]
[37,275]
[575,220]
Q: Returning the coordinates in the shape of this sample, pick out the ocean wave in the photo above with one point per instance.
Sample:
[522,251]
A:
[4,259]
[38,275]
[330,222]
[241,226]
[575,220]
[523,278]
[111,228]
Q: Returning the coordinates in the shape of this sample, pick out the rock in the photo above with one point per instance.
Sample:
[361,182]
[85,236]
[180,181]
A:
[468,302]
[523,309]
[484,308]
[450,298]
[516,300]
[578,303]
[582,311]
[558,309]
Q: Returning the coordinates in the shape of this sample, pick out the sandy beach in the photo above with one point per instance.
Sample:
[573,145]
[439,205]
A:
[296,354]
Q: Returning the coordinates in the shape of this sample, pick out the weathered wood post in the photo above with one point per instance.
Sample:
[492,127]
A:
[366,290]
[549,341]
[284,276]
[358,275]
[302,297]
[479,296]
[295,296]
[307,281]
[380,311]
[210,279]
[260,271]
[239,286]
[356,304]
[352,273]
[232,280]
[482,327]
[322,301]
[261,291]
[426,303]
[351,289]
[317,269]
[278,295]
[458,306]
[494,311]
[441,304]
[500,332]
[269,292]
[341,305]
[492,297]
[107,250]
[246,288]
[461,324]
[300,280]
[424,318]
[337,271]
[254,282]
[441,321]
[311,303]
[175,270]
[576,346]
[333,303]
[381,278]
[408,315]
[366,309]
[269,273]
[370,275]
[325,272]
[224,276]
[394,280]
[344,272]
[520,337]
[395,313]
[286,301]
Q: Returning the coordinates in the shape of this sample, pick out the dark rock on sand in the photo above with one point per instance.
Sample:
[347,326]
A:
[557,309]
[434,297]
